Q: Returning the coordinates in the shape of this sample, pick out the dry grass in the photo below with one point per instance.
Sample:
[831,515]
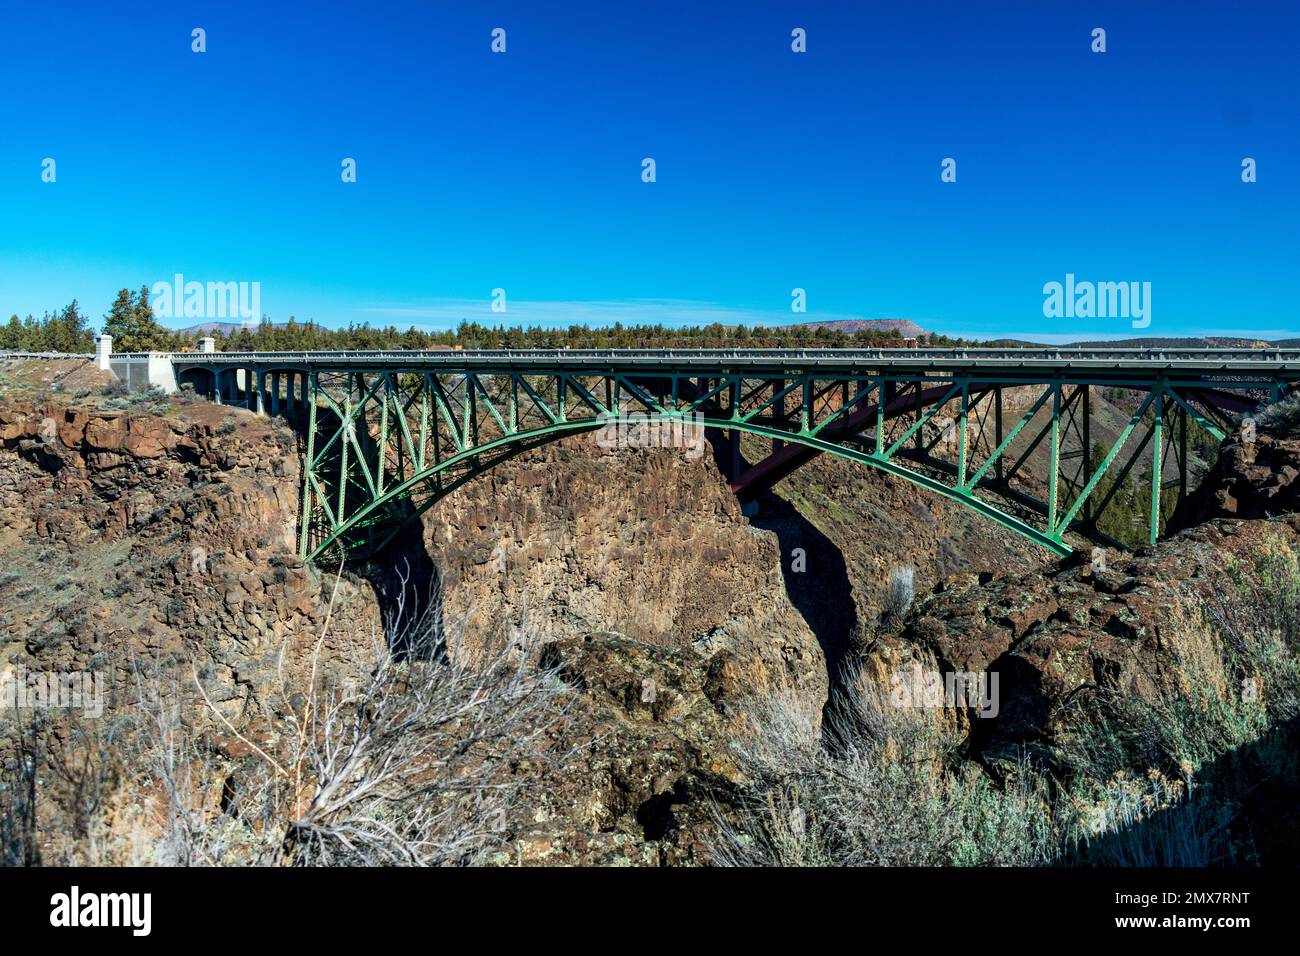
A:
[1138,782]
[877,787]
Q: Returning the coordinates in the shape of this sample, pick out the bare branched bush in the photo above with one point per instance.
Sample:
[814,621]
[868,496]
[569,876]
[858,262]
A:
[181,768]
[20,767]
[1282,416]
[901,593]
[390,758]
[407,760]
[85,768]
[413,765]
[59,771]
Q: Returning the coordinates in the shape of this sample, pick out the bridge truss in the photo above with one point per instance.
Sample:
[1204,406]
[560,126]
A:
[1025,447]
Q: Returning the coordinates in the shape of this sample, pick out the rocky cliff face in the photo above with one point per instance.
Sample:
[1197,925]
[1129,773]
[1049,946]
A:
[139,535]
[1080,631]
[649,545]
[1257,475]
[134,537]
[875,522]
[168,536]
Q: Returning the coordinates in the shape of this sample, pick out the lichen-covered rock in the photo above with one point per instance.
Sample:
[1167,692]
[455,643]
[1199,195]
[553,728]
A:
[1252,478]
[1050,637]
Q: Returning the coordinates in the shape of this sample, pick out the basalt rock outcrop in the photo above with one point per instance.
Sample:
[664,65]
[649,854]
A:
[1255,476]
[135,538]
[1080,630]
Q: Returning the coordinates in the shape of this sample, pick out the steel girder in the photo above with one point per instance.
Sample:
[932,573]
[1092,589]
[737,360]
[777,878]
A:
[384,445]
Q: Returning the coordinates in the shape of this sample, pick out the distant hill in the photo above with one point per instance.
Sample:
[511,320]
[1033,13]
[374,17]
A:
[1204,342]
[904,327]
[225,328]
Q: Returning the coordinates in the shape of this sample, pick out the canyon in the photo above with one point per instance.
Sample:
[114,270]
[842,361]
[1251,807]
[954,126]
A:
[163,531]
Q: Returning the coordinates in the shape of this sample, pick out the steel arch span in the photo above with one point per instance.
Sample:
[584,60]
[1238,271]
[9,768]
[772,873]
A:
[1024,447]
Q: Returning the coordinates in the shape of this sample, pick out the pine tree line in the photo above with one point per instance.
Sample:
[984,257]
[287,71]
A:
[294,336]
[131,323]
[64,331]
[129,320]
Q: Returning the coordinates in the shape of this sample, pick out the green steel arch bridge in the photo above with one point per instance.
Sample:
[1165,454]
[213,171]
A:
[1037,440]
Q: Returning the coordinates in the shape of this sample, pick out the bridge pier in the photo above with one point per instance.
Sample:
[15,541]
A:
[263,391]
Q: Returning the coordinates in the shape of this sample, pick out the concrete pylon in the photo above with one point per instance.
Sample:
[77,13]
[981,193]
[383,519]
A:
[104,351]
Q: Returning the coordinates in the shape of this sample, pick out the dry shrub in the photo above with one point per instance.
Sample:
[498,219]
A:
[403,759]
[878,785]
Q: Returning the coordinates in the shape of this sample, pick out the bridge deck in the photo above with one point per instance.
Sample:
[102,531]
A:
[1020,362]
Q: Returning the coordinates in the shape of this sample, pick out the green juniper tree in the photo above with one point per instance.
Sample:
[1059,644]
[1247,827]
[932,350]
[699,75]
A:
[131,323]
[68,331]
[13,335]
[120,320]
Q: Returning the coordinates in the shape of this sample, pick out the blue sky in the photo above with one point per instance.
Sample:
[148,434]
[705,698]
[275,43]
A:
[775,170]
